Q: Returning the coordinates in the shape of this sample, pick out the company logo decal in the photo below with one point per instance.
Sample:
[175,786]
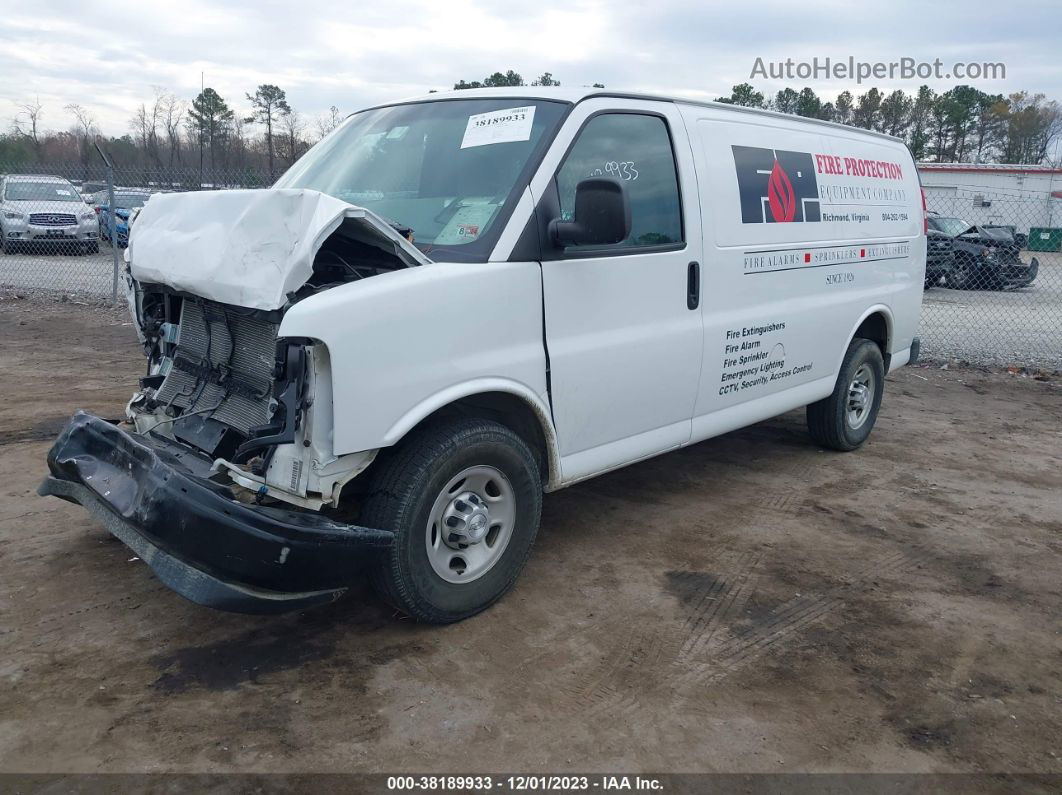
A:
[780,196]
[776,186]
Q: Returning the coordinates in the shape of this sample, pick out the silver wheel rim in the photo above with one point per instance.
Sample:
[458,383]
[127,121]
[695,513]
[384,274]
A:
[860,397]
[470,524]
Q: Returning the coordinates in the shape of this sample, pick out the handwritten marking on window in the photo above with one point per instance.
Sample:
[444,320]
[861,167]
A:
[620,169]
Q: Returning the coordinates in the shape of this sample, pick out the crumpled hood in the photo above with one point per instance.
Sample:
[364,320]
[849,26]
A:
[245,247]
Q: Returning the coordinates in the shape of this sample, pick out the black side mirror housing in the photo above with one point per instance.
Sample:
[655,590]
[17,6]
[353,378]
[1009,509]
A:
[602,215]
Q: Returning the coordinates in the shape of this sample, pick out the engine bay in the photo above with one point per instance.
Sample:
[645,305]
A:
[221,380]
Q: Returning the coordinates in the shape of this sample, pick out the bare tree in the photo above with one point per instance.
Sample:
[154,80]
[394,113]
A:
[145,125]
[27,123]
[328,122]
[173,111]
[85,129]
[292,126]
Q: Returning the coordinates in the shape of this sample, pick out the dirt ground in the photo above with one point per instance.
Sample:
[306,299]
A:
[748,604]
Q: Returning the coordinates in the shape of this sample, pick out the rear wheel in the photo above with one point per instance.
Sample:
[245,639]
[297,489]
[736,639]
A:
[963,275]
[464,499]
[844,420]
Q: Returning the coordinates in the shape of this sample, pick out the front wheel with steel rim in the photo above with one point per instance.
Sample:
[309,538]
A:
[844,420]
[470,524]
[464,500]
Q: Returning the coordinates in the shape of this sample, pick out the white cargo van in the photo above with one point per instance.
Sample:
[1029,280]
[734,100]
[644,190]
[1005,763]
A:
[457,302]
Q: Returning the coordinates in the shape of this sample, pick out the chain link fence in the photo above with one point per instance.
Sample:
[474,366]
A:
[994,277]
[993,293]
[64,227]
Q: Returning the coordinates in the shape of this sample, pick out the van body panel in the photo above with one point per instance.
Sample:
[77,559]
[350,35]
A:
[721,286]
[400,339]
[797,252]
[619,335]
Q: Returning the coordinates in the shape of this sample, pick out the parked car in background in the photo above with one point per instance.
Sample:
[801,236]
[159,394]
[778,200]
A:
[90,188]
[114,226]
[38,211]
[1021,240]
[95,198]
[940,256]
[986,257]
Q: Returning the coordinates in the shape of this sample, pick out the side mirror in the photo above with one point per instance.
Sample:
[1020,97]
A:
[602,215]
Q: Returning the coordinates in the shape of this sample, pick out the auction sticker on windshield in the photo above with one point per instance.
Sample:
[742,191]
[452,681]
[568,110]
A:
[499,127]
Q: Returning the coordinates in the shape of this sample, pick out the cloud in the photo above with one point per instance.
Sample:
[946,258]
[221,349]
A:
[107,57]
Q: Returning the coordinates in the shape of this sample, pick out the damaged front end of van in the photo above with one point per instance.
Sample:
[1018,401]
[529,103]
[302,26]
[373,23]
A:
[222,476]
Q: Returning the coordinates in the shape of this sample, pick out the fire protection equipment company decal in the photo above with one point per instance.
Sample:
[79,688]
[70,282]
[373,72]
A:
[777,186]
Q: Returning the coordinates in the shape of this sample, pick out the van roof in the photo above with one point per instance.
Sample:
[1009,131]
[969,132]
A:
[574,95]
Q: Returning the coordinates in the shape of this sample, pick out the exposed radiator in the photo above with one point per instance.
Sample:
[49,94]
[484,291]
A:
[220,344]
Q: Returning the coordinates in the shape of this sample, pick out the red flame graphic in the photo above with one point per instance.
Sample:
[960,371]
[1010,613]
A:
[780,195]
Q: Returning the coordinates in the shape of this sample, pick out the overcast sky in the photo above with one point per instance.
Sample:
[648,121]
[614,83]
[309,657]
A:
[107,56]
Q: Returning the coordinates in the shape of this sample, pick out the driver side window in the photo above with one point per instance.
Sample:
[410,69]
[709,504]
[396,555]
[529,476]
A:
[635,149]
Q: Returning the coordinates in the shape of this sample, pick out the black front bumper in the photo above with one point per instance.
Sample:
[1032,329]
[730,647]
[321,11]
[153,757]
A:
[1019,274]
[199,540]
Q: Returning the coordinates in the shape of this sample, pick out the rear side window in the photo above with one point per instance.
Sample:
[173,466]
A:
[635,149]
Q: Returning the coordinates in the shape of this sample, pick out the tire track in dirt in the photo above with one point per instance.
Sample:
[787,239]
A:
[616,683]
[718,603]
[702,649]
[787,620]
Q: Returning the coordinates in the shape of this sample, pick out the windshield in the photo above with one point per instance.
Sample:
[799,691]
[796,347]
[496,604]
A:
[449,171]
[126,201]
[19,191]
[952,227]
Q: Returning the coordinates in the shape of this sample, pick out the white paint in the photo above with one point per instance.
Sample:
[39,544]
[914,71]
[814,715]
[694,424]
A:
[402,343]
[244,247]
[633,371]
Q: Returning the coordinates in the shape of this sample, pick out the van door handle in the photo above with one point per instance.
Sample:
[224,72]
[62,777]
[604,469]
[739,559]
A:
[693,286]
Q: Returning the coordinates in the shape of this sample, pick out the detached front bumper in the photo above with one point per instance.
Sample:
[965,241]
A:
[1019,274]
[199,540]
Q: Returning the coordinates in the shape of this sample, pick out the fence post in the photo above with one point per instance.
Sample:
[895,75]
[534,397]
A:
[114,232]
[112,210]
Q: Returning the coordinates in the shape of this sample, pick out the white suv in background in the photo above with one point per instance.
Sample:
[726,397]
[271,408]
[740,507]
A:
[38,210]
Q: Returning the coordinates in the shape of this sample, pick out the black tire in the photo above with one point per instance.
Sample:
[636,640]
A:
[963,274]
[402,493]
[828,419]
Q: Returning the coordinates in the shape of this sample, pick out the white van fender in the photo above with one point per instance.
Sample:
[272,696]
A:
[876,309]
[483,386]
[404,344]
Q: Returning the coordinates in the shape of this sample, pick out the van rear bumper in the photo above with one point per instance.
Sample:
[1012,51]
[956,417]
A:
[199,540]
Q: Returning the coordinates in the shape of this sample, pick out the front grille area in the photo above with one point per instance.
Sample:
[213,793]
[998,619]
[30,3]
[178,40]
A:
[1007,254]
[52,219]
[224,358]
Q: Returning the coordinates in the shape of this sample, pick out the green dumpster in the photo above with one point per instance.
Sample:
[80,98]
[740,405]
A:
[1045,238]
